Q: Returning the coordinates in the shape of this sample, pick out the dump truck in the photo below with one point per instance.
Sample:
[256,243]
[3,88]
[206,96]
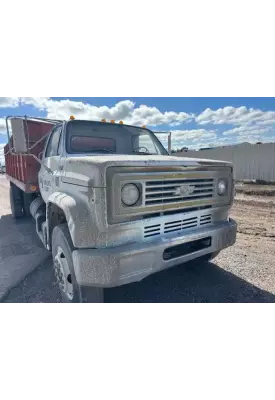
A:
[111,205]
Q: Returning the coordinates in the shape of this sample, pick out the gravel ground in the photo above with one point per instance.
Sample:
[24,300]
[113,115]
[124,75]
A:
[20,249]
[242,273]
[258,190]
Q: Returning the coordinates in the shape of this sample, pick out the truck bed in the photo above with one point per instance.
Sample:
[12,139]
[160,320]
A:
[21,168]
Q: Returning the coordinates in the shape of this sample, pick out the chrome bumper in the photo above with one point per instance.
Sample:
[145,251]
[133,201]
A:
[128,263]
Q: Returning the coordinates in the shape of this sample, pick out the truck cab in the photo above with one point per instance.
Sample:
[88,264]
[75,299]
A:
[114,207]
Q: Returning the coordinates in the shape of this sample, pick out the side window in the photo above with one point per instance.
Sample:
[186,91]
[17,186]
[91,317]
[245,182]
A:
[52,148]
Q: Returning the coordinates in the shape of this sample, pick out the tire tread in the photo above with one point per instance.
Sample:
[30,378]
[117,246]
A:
[81,294]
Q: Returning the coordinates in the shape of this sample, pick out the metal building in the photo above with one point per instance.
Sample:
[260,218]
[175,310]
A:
[251,161]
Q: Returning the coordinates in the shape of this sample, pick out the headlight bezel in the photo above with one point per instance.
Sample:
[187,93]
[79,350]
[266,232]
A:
[125,187]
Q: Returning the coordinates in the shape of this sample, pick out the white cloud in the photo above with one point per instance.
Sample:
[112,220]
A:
[9,102]
[247,129]
[229,142]
[216,143]
[38,102]
[248,124]
[143,114]
[267,122]
[255,139]
[175,123]
[235,116]
[192,138]
[2,125]
[193,134]
[3,129]
[124,110]
[249,138]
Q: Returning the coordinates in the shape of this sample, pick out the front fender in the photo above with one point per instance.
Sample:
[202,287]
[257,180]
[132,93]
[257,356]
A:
[82,215]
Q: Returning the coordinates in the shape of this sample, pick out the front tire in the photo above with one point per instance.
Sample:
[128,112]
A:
[71,292]
[27,200]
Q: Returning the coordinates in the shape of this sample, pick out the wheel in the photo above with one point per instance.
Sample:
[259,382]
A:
[71,292]
[27,200]
[16,201]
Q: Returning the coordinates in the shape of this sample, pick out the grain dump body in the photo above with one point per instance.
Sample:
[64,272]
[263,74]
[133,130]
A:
[27,140]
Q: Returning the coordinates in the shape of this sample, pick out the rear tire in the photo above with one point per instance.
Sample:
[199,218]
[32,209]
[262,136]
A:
[16,201]
[71,292]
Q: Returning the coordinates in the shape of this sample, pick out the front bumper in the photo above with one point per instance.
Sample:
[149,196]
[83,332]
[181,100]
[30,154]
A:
[128,263]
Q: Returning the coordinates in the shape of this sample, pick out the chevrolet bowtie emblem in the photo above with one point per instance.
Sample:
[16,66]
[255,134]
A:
[184,190]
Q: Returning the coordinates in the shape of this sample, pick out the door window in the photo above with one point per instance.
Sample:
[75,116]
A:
[52,147]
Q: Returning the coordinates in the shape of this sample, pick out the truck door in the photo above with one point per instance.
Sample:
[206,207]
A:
[49,176]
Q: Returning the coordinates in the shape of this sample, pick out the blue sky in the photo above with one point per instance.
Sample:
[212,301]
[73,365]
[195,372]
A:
[194,122]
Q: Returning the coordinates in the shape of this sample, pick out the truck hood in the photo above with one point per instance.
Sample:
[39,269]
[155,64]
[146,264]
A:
[90,170]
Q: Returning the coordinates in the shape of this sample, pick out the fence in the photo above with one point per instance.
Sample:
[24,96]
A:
[251,161]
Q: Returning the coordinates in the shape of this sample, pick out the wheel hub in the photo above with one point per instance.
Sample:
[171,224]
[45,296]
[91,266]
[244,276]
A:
[62,273]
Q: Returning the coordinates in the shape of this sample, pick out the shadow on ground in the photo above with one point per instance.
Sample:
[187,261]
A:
[188,283]
[191,283]
[20,252]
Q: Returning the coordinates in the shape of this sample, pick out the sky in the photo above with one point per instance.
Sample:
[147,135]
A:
[194,122]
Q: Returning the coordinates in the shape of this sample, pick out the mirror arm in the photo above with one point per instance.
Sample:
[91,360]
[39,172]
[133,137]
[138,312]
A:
[42,164]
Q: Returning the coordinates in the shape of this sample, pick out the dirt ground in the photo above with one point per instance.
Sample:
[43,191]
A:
[253,189]
[242,273]
[252,258]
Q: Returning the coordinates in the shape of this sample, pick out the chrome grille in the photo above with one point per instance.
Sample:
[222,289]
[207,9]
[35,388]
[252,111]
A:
[168,191]
[177,225]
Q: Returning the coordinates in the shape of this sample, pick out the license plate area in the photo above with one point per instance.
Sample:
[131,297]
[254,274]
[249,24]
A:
[186,248]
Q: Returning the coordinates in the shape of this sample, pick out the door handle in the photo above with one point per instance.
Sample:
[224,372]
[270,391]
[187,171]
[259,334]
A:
[61,167]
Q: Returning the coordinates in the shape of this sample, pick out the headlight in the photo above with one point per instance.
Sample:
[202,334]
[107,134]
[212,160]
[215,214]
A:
[222,187]
[130,194]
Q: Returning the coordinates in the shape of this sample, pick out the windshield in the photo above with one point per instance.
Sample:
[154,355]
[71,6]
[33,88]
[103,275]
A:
[99,138]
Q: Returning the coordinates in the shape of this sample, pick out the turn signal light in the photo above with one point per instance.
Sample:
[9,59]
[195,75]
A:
[103,120]
[112,121]
[121,122]
[72,117]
